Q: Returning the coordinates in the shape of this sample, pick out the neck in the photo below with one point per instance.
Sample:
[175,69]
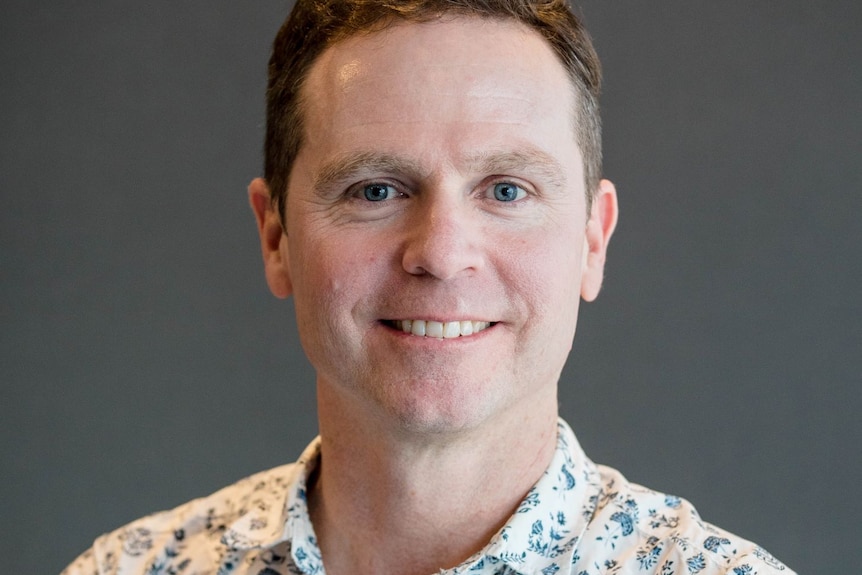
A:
[388,500]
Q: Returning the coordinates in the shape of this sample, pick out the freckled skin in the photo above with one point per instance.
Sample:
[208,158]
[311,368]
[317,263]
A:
[441,98]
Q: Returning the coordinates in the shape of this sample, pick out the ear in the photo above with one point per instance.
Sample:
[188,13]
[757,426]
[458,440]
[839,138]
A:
[273,239]
[600,227]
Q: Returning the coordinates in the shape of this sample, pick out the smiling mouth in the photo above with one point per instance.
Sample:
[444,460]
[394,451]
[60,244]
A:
[439,330]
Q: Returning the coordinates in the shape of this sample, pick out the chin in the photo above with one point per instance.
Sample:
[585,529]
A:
[435,407]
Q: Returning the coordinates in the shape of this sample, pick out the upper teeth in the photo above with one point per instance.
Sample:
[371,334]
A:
[439,329]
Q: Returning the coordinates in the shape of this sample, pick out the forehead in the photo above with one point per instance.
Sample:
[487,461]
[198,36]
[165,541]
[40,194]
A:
[463,84]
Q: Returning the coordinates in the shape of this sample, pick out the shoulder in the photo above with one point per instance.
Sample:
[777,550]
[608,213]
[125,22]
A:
[635,529]
[187,535]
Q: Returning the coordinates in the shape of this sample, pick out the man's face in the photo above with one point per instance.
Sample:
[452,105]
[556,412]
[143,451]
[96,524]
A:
[439,189]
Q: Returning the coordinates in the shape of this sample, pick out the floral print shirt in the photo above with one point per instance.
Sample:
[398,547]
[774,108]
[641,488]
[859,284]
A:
[579,519]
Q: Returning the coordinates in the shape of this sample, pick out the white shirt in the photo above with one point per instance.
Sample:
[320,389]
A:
[578,519]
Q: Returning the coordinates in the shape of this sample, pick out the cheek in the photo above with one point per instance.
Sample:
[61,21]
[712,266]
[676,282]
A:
[546,278]
[334,277]
[548,265]
[320,278]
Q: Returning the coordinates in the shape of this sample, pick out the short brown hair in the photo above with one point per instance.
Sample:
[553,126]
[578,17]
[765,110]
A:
[315,25]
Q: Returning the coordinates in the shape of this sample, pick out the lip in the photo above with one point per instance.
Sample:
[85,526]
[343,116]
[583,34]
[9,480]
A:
[476,329]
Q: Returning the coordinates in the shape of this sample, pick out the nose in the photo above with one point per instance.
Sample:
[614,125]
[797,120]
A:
[443,240]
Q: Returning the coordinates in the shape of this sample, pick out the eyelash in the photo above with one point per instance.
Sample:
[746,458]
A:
[492,185]
[357,191]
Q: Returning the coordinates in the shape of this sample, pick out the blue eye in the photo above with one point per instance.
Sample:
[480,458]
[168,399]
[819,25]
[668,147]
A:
[378,192]
[508,192]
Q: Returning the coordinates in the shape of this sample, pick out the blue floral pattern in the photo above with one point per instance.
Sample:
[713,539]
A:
[579,519]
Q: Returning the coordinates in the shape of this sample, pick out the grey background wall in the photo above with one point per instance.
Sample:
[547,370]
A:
[144,362]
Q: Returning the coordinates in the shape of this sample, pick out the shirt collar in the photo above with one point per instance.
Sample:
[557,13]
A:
[542,533]
[283,516]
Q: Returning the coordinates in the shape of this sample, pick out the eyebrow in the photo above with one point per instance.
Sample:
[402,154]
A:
[532,162]
[353,166]
[350,166]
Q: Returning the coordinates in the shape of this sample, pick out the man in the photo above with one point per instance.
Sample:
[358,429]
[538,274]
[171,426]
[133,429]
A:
[432,202]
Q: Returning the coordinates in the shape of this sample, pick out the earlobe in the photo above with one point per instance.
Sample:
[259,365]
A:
[600,228]
[273,239]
